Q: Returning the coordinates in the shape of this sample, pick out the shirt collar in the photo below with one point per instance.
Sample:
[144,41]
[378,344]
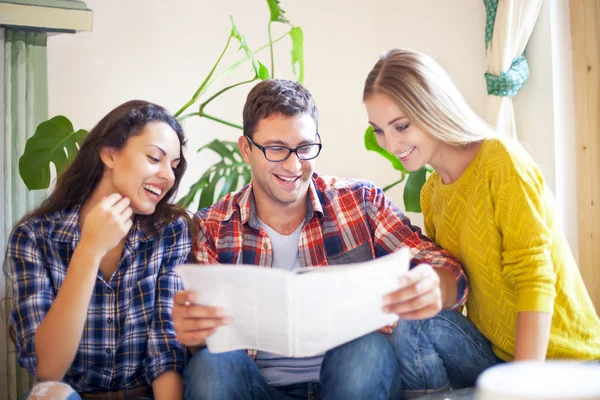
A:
[247,206]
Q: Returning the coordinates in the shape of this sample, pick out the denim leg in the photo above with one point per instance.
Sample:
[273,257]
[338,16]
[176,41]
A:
[301,391]
[441,352]
[231,375]
[361,369]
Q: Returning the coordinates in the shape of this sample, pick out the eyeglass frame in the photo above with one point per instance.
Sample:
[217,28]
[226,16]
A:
[290,150]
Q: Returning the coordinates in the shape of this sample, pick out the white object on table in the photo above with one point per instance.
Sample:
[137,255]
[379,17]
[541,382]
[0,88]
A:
[531,380]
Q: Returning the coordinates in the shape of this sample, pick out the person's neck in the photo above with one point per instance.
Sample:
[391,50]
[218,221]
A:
[282,218]
[451,162]
[100,191]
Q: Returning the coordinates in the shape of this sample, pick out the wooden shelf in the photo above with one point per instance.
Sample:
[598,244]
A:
[47,15]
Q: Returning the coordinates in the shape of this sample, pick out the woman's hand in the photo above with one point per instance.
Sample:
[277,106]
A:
[107,223]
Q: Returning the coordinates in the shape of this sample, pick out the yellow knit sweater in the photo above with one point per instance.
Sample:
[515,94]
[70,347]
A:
[498,219]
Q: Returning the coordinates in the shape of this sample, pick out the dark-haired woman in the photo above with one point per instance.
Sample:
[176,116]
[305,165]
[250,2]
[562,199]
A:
[92,269]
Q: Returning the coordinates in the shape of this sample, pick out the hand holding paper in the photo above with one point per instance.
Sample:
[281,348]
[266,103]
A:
[419,294]
[296,315]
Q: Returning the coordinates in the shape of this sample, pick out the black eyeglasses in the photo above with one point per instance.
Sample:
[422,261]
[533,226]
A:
[280,153]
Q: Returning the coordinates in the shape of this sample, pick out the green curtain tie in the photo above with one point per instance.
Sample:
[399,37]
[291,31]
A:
[508,83]
[491,7]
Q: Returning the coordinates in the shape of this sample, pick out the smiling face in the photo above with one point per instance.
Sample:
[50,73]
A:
[398,134]
[284,183]
[143,170]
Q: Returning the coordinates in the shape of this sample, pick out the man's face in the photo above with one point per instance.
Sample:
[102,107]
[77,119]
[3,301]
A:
[283,183]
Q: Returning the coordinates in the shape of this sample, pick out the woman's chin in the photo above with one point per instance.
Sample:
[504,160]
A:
[143,209]
[410,167]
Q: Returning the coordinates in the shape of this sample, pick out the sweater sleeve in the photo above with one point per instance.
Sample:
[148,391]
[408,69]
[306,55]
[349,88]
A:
[521,216]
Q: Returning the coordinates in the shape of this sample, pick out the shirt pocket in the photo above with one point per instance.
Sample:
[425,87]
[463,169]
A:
[360,253]
[140,303]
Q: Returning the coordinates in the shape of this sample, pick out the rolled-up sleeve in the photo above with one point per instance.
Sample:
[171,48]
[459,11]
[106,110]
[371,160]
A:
[164,352]
[32,292]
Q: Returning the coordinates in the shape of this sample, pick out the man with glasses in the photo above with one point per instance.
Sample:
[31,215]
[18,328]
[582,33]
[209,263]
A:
[291,217]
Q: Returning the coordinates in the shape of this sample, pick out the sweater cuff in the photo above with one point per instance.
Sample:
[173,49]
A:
[532,301]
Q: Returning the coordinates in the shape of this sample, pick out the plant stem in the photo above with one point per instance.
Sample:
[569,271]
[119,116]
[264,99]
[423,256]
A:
[220,92]
[221,121]
[395,183]
[199,91]
[240,62]
[271,49]
[186,116]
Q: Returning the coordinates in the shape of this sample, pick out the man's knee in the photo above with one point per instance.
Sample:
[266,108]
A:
[405,337]
[370,349]
[343,370]
[53,391]
[217,375]
[409,335]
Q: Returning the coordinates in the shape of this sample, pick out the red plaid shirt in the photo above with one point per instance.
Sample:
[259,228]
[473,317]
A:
[347,221]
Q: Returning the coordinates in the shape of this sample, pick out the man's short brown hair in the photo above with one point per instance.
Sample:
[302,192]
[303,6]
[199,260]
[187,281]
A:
[277,96]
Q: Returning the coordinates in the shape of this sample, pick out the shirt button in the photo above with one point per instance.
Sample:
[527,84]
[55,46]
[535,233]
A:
[109,320]
[108,351]
[265,246]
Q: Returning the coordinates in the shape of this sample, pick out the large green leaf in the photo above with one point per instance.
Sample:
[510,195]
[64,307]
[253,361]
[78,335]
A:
[276,12]
[298,52]
[231,172]
[230,182]
[412,190]
[186,200]
[372,145]
[55,141]
[227,150]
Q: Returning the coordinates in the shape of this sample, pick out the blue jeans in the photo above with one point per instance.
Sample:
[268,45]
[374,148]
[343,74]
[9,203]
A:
[360,369]
[441,353]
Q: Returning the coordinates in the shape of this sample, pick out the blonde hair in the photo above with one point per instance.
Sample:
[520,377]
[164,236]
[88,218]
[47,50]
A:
[427,95]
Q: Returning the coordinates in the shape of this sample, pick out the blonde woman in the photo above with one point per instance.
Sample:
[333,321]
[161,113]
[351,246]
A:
[488,205]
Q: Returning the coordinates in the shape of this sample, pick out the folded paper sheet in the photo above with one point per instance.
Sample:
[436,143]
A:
[296,314]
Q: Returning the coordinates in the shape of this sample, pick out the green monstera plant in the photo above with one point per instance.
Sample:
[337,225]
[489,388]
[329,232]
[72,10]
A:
[56,141]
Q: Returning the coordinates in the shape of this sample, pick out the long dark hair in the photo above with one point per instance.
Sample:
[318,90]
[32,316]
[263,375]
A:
[77,182]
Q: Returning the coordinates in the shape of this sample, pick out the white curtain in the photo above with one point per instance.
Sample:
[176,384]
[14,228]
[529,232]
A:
[507,69]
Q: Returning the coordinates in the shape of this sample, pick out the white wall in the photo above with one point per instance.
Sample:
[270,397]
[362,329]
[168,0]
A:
[160,51]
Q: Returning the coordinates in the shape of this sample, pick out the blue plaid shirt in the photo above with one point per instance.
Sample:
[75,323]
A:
[128,338]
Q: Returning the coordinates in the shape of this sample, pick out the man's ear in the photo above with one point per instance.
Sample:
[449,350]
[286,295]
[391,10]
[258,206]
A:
[107,155]
[244,148]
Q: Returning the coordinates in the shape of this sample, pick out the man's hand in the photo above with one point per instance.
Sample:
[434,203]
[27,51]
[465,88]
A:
[388,329]
[194,323]
[419,295]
